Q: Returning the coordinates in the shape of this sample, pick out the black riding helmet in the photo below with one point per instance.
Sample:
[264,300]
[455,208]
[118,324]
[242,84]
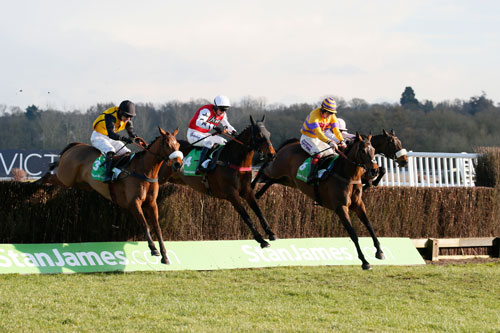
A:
[126,108]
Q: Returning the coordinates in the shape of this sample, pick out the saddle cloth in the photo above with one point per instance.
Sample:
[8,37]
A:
[305,168]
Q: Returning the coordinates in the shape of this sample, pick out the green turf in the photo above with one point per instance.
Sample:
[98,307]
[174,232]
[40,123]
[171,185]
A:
[306,299]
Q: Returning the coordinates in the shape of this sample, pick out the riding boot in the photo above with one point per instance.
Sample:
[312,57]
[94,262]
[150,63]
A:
[314,169]
[213,162]
[109,171]
[330,167]
[203,156]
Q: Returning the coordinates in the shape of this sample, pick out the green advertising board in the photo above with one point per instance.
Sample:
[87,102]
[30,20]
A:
[199,255]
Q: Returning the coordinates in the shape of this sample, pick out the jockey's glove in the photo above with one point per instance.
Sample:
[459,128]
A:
[126,139]
[218,130]
[332,144]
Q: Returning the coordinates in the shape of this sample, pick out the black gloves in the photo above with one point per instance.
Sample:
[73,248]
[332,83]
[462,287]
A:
[126,139]
[218,130]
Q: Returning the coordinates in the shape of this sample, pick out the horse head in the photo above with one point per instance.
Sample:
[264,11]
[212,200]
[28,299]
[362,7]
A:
[258,138]
[168,148]
[362,153]
[391,147]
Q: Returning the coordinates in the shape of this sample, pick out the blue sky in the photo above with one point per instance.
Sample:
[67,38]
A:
[72,54]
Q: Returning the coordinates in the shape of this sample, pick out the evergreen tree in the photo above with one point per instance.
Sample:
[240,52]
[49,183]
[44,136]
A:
[408,99]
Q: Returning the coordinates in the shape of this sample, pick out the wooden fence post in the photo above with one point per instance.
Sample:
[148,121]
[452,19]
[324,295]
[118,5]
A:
[432,246]
[495,251]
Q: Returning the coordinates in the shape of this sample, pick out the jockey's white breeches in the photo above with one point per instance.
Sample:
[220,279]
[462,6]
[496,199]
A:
[209,142]
[314,146]
[105,144]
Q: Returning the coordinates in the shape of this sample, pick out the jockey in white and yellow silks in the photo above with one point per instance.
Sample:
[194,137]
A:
[318,133]
[106,125]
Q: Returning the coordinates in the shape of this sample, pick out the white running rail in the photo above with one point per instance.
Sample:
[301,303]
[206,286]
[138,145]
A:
[430,169]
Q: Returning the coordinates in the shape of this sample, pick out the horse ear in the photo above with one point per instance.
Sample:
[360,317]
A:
[251,120]
[162,132]
[393,133]
[358,136]
[176,131]
[385,132]
[370,136]
[263,117]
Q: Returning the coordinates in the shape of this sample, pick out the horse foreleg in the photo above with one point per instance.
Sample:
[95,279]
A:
[343,214]
[256,209]
[260,174]
[381,174]
[360,211]
[152,214]
[136,210]
[264,188]
[235,200]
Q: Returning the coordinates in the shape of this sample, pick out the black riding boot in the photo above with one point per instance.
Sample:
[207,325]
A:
[215,157]
[203,156]
[109,171]
[314,169]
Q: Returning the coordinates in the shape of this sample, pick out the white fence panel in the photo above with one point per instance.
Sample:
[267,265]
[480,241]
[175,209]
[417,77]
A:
[430,169]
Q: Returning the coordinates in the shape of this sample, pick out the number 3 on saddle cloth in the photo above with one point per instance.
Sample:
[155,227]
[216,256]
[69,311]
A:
[326,165]
[192,159]
[98,171]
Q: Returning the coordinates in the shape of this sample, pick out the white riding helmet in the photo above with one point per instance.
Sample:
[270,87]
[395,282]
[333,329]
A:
[222,101]
[342,126]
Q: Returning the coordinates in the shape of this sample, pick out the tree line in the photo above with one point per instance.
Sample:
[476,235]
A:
[450,126]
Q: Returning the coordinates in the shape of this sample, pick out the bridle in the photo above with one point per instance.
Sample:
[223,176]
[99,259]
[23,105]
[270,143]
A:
[254,142]
[354,160]
[171,156]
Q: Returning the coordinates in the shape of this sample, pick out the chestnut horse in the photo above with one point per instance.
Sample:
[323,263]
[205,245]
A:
[339,191]
[136,189]
[232,176]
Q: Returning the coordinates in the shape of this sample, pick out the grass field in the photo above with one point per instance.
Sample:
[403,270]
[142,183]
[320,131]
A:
[463,297]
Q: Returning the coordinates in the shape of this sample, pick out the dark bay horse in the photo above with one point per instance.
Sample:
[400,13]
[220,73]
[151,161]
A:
[389,145]
[232,177]
[340,191]
[136,189]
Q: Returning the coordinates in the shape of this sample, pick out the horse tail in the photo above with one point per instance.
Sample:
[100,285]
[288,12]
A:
[287,142]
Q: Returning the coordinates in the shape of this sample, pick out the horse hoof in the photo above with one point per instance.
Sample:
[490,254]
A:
[380,255]
[272,237]
[165,261]
[155,253]
[264,244]
[366,267]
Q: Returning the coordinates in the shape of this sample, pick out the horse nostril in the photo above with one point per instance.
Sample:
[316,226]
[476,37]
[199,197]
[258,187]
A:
[176,166]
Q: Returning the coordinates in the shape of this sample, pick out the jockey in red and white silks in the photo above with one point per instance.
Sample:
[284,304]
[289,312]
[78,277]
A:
[207,118]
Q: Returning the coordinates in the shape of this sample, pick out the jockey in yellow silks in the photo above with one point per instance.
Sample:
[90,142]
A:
[318,132]
[104,136]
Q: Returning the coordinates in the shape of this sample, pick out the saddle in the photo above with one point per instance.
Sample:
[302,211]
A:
[192,159]
[324,169]
[118,163]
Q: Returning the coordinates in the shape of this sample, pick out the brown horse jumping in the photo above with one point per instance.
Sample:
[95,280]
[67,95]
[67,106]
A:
[387,144]
[232,177]
[136,189]
[340,191]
